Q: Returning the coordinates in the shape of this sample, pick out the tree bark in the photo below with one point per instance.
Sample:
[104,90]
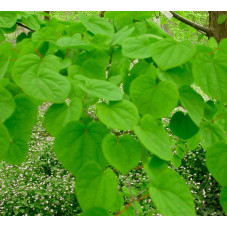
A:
[219,30]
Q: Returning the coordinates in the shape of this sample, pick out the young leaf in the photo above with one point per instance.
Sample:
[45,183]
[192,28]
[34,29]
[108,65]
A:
[123,153]
[168,53]
[95,187]
[193,103]
[4,141]
[211,133]
[23,118]
[100,88]
[8,19]
[210,74]
[7,104]
[168,190]
[17,152]
[156,100]
[58,115]
[97,25]
[154,137]
[76,144]
[182,126]
[139,47]
[216,159]
[223,199]
[122,115]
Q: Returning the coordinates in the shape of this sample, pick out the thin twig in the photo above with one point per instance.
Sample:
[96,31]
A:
[200,28]
[216,118]
[122,133]
[130,204]
[132,197]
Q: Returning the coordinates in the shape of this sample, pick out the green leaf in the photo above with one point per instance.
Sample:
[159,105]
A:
[154,137]
[180,75]
[7,104]
[210,74]
[121,35]
[182,126]
[58,115]
[23,118]
[221,18]
[8,19]
[168,53]
[223,199]
[209,110]
[99,88]
[211,133]
[156,100]
[2,37]
[40,78]
[77,143]
[216,159]
[123,153]
[122,115]
[176,161]
[97,25]
[168,190]
[193,142]
[139,47]
[4,141]
[5,50]
[95,187]
[96,211]
[75,41]
[33,22]
[17,152]
[193,102]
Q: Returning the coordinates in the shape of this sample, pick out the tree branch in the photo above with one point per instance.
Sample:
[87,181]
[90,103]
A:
[24,26]
[205,30]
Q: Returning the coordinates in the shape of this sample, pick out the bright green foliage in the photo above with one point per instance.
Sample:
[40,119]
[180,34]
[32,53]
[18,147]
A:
[95,187]
[122,115]
[223,199]
[216,159]
[97,25]
[168,53]
[7,19]
[211,133]
[58,115]
[193,102]
[40,79]
[22,120]
[99,88]
[7,104]
[156,100]
[168,190]
[221,19]
[182,126]
[4,140]
[77,144]
[96,211]
[181,75]
[139,47]
[210,74]
[17,152]
[123,152]
[152,135]
[112,84]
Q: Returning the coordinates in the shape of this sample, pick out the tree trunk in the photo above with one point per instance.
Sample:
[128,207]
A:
[219,30]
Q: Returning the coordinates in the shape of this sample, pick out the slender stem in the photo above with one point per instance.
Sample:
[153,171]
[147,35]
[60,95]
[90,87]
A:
[24,26]
[216,118]
[130,204]
[198,27]
[132,197]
